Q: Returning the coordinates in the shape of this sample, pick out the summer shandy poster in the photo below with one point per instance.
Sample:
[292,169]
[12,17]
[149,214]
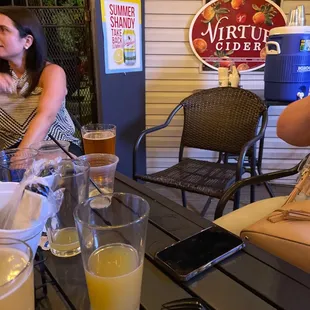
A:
[121,21]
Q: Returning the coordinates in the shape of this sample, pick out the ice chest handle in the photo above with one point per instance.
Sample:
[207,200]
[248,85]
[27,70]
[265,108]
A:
[273,52]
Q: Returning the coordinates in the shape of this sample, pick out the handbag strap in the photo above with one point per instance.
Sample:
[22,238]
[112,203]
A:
[299,186]
[292,215]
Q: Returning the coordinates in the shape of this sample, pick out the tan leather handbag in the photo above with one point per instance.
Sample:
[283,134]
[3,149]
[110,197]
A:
[286,232]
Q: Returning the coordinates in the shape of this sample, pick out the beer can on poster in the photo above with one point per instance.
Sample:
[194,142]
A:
[129,46]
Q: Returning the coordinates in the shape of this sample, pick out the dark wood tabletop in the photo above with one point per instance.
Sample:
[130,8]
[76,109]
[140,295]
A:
[251,279]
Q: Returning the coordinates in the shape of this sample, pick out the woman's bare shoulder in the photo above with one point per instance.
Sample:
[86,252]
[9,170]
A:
[53,69]
[52,73]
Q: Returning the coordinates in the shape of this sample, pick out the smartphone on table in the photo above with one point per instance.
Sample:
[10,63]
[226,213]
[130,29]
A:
[189,257]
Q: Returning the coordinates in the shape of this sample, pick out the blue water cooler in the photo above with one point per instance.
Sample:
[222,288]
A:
[287,70]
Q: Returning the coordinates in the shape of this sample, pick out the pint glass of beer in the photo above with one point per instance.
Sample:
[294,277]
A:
[99,138]
[112,238]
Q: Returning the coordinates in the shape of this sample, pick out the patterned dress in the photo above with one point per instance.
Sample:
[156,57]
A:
[16,113]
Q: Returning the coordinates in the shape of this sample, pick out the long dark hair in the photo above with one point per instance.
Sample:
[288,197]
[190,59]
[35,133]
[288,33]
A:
[28,24]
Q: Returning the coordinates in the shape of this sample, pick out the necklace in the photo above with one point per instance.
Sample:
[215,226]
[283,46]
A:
[20,85]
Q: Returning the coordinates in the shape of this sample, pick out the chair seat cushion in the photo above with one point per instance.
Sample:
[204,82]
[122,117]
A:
[249,214]
[196,176]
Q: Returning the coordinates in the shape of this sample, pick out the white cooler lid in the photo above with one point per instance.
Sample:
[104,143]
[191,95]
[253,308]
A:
[289,30]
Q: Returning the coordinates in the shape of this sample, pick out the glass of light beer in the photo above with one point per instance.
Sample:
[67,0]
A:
[73,180]
[99,138]
[16,275]
[112,235]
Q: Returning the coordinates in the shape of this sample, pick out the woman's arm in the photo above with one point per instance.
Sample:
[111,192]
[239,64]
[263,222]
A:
[294,123]
[53,82]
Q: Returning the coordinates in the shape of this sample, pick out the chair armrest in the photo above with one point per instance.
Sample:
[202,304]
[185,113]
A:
[150,130]
[250,143]
[251,181]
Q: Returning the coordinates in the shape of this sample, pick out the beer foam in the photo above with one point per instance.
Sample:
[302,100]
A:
[99,135]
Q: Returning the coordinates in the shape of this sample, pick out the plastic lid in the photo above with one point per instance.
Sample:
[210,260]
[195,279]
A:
[289,30]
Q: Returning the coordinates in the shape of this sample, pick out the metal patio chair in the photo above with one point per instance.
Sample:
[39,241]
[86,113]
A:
[225,120]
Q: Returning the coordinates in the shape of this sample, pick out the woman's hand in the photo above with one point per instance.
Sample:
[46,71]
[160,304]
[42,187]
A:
[6,83]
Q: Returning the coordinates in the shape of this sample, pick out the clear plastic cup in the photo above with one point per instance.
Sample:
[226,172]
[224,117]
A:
[99,138]
[61,230]
[112,238]
[102,172]
[16,275]
[50,150]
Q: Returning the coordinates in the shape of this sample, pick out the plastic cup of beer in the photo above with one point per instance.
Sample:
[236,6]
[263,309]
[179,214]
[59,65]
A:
[99,138]
[61,231]
[112,237]
[16,275]
[102,172]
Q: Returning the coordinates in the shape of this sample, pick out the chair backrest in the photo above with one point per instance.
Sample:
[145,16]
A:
[78,127]
[221,119]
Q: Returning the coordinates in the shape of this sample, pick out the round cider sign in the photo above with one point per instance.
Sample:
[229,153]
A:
[234,31]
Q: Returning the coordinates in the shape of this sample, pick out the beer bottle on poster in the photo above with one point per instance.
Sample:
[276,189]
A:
[129,42]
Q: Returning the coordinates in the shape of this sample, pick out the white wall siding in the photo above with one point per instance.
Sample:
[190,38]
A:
[172,73]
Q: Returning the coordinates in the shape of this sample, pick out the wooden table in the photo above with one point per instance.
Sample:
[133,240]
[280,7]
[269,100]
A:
[251,279]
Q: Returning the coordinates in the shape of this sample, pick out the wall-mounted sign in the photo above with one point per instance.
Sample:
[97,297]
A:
[226,31]
[121,21]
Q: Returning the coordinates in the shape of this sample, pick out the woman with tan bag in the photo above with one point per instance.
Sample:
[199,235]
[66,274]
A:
[279,225]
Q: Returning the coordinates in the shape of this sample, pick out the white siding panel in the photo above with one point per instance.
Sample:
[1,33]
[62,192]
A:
[168,21]
[276,143]
[165,109]
[172,7]
[160,142]
[167,35]
[191,86]
[288,5]
[284,154]
[171,61]
[275,111]
[167,48]
[154,120]
[160,109]
[166,97]
[188,86]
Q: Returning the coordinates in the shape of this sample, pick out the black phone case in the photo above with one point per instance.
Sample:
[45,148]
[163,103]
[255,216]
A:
[199,270]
